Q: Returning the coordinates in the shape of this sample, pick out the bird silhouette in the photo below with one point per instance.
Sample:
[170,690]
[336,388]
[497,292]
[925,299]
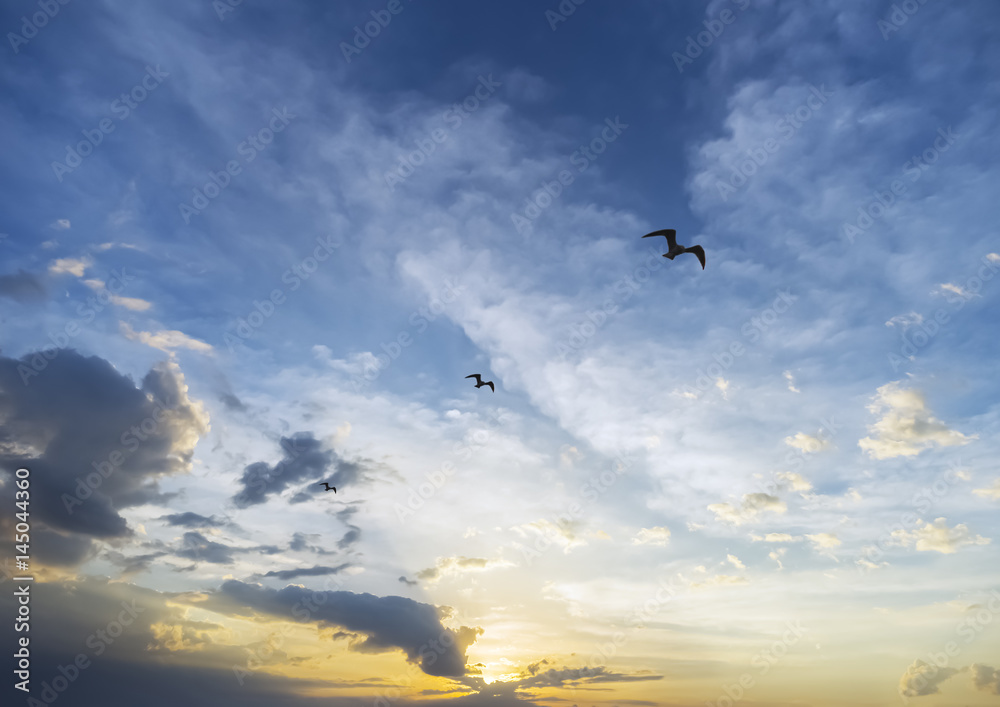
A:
[328,486]
[675,249]
[480,382]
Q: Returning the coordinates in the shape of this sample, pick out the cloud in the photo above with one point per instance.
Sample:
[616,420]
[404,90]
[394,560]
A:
[992,492]
[720,580]
[736,562]
[193,520]
[922,679]
[906,427]
[752,505]
[389,622]
[60,224]
[304,458]
[165,340]
[563,532]
[985,678]
[955,289]
[73,266]
[133,303]
[23,287]
[657,535]
[776,538]
[807,443]
[938,537]
[315,571]
[791,382]
[457,565]
[94,441]
[796,482]
[196,546]
[905,321]
[534,676]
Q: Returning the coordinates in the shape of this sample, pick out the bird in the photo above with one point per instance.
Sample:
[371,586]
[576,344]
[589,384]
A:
[480,382]
[675,249]
[328,486]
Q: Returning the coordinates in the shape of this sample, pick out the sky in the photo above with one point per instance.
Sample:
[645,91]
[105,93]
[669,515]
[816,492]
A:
[249,247]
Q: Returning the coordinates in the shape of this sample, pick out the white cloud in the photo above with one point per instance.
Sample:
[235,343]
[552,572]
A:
[797,482]
[938,537]
[60,224]
[906,427]
[791,382]
[652,536]
[807,443]
[824,541]
[751,506]
[165,340]
[720,580]
[736,562]
[775,538]
[73,266]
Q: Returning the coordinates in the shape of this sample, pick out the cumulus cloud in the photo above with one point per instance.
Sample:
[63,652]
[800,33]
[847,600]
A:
[657,535]
[165,340]
[73,266]
[985,678]
[775,538]
[906,427]
[752,505]
[922,679]
[807,443]
[388,623]
[94,441]
[938,537]
[736,562]
[23,287]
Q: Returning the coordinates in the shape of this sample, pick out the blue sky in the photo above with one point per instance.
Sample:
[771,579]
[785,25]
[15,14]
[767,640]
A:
[284,258]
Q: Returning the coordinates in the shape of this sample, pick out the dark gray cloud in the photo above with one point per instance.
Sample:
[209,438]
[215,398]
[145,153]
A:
[232,402]
[301,542]
[196,546]
[194,520]
[408,582]
[23,287]
[94,442]
[317,571]
[388,622]
[304,459]
[135,563]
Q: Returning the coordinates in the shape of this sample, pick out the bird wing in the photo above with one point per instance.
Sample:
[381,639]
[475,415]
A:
[670,233]
[477,377]
[490,384]
[699,251]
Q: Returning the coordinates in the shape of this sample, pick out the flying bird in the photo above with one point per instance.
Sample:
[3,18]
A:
[328,486]
[675,249]
[480,382]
